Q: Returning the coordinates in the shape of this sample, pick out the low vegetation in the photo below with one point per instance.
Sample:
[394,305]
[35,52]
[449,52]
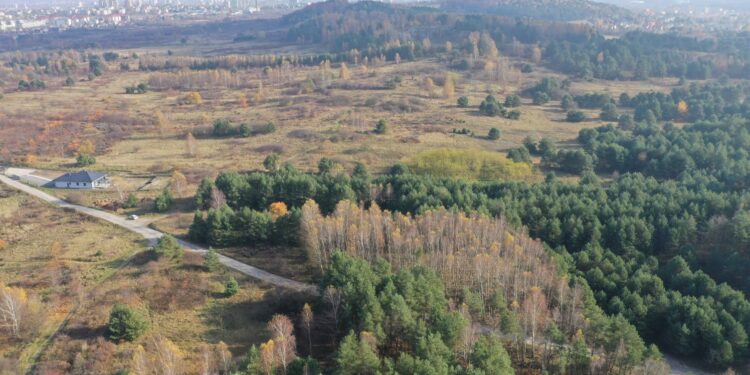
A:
[468,164]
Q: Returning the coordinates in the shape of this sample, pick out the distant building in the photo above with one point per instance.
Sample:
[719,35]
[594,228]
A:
[82,180]
[31,24]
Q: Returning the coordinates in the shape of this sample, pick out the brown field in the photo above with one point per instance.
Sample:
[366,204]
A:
[333,123]
[75,268]
[80,267]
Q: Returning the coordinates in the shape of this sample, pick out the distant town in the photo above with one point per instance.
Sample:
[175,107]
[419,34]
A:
[112,13]
[23,19]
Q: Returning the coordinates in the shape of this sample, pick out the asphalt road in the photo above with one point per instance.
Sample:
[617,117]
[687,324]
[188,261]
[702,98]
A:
[153,236]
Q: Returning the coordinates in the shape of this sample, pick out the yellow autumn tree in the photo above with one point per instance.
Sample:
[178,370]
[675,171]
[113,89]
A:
[190,144]
[682,108]
[195,97]
[178,183]
[449,87]
[536,55]
[242,101]
[168,357]
[344,72]
[139,362]
[86,148]
[161,122]
[260,94]
[268,356]
[428,86]
[277,210]
[31,159]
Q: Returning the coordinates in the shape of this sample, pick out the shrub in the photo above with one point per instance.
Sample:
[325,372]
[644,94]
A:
[463,102]
[513,115]
[381,127]
[222,128]
[244,130]
[271,162]
[85,160]
[609,112]
[567,103]
[168,247]
[264,129]
[211,260]
[125,323]
[392,83]
[513,101]
[467,164]
[531,145]
[625,122]
[494,134]
[540,98]
[575,116]
[491,107]
[35,84]
[131,201]
[520,155]
[592,101]
[164,201]
[232,287]
[141,88]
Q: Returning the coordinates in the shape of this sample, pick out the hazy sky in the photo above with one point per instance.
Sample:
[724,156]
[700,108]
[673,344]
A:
[731,4]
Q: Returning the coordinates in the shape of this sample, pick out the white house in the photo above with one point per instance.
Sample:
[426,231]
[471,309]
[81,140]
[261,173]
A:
[82,180]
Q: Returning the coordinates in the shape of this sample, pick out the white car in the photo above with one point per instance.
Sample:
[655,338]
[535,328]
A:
[133,217]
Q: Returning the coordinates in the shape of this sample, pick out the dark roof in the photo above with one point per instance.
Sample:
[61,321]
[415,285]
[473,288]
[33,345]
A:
[82,176]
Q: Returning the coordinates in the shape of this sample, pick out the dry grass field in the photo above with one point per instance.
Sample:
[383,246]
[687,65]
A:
[78,268]
[141,139]
[74,268]
[336,122]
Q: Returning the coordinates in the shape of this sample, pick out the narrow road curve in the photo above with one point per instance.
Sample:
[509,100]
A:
[153,236]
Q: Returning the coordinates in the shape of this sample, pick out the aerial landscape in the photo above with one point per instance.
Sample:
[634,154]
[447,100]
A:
[437,187]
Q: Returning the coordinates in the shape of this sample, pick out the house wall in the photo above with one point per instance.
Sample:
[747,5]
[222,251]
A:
[101,183]
[72,185]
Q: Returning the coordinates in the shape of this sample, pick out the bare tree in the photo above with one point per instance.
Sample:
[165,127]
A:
[218,198]
[282,330]
[178,182]
[168,357]
[140,362]
[333,297]
[13,303]
[307,320]
[223,357]
[190,144]
[207,361]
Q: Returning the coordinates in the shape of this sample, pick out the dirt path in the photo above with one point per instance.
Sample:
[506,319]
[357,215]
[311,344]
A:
[153,236]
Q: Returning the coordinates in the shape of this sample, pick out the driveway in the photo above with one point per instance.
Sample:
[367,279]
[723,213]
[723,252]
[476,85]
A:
[27,176]
[153,236]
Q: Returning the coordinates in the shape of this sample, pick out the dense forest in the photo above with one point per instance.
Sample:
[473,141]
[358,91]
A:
[374,29]
[649,244]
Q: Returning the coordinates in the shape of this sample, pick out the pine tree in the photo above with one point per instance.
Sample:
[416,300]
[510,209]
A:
[490,355]
[232,287]
[211,260]
[356,357]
